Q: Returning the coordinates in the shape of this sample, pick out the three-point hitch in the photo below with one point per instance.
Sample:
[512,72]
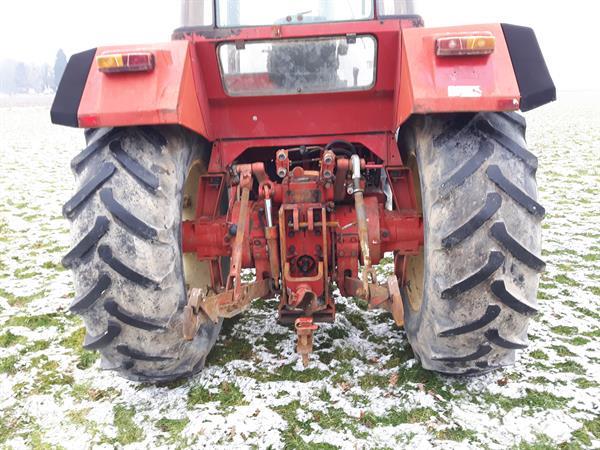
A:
[301,234]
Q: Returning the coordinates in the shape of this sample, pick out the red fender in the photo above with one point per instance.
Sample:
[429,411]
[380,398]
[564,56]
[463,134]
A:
[429,83]
[166,95]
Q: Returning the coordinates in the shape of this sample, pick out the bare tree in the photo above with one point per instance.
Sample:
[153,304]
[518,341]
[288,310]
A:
[59,67]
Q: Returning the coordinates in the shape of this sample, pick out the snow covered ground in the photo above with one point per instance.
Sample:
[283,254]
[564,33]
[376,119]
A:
[363,390]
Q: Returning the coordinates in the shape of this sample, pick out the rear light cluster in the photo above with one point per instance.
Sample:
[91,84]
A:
[480,43]
[125,62]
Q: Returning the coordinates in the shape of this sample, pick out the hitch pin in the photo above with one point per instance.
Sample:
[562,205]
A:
[268,207]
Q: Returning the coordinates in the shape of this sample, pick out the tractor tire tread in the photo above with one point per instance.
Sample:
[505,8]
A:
[533,207]
[495,260]
[501,235]
[486,149]
[88,298]
[126,218]
[499,289]
[98,141]
[144,176]
[104,339]
[117,312]
[482,241]
[481,351]
[139,355]
[128,268]
[488,317]
[106,255]
[488,128]
[494,337]
[87,242]
[105,171]
[493,202]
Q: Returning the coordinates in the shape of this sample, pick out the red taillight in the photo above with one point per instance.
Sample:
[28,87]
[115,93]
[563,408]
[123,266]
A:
[125,62]
[481,43]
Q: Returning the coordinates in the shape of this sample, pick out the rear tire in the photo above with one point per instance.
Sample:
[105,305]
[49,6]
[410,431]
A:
[127,259]
[472,292]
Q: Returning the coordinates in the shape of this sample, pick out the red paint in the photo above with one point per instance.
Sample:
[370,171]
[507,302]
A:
[425,77]
[166,95]
[185,87]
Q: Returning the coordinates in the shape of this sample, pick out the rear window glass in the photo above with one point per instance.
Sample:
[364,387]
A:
[299,66]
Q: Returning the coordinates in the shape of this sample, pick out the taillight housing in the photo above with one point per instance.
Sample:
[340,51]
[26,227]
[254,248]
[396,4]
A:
[471,44]
[126,62]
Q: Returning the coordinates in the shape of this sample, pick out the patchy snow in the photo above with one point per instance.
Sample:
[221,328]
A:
[363,389]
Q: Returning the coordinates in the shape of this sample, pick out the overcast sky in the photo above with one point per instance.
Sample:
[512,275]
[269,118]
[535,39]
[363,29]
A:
[33,30]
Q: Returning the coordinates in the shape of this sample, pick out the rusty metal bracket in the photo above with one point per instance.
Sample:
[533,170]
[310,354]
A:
[396,307]
[234,279]
[305,329]
[362,223]
[222,305]
[237,296]
[379,296]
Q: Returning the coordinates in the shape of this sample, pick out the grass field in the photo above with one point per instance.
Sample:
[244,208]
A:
[364,388]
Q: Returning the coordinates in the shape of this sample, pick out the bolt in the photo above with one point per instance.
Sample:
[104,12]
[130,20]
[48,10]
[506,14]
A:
[232,230]
[281,156]
[350,190]
[328,158]
[327,174]
[291,250]
[282,172]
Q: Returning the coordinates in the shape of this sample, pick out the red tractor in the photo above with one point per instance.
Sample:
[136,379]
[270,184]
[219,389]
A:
[305,140]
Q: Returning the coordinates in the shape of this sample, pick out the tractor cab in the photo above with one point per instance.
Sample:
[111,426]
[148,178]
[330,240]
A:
[314,64]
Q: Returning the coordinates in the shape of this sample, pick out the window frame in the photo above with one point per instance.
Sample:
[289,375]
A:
[367,88]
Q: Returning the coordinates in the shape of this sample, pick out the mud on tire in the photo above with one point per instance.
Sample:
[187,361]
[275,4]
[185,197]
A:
[127,260]
[472,292]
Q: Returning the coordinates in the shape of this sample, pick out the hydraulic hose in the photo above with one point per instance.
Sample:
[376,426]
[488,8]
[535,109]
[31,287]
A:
[334,146]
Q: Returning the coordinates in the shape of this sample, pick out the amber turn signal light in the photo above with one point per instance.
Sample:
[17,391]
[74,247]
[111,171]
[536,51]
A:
[125,62]
[481,43]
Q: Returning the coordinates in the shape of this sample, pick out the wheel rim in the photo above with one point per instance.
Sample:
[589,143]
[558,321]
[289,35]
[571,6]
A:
[196,272]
